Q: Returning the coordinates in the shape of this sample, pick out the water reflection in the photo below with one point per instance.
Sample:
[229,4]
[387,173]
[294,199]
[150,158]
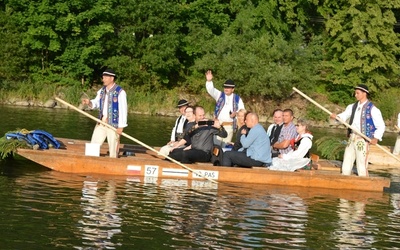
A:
[100,220]
[286,213]
[106,212]
[352,225]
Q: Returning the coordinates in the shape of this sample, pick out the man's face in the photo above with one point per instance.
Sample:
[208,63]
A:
[287,117]
[228,91]
[182,110]
[250,121]
[278,117]
[107,80]
[360,95]
[199,116]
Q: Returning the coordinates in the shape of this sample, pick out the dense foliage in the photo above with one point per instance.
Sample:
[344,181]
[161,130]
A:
[266,46]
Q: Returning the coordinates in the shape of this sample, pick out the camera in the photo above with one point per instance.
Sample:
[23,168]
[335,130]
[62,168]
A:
[208,123]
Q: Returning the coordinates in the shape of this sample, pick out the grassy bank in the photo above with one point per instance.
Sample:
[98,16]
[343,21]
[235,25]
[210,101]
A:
[163,102]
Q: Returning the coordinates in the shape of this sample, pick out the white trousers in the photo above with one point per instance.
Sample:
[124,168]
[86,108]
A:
[396,149]
[223,141]
[357,150]
[100,133]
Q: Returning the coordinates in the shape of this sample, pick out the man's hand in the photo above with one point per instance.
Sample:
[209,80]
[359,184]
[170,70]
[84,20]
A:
[374,141]
[86,102]
[217,124]
[209,75]
[119,130]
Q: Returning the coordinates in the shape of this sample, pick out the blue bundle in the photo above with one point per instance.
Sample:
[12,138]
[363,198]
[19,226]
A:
[43,139]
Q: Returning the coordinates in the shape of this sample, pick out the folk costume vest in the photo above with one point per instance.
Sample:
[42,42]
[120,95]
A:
[113,110]
[220,104]
[275,132]
[179,135]
[367,124]
[297,144]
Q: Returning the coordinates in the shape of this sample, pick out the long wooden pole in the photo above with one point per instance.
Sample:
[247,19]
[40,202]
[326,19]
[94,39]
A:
[355,130]
[135,140]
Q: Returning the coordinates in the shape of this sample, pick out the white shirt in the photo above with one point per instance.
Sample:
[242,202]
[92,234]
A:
[122,107]
[178,128]
[398,120]
[301,151]
[270,127]
[376,118]
[224,115]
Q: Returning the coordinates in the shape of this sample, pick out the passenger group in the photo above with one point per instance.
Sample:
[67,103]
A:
[285,145]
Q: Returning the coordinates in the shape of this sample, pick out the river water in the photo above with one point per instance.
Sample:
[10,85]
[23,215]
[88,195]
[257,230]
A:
[43,209]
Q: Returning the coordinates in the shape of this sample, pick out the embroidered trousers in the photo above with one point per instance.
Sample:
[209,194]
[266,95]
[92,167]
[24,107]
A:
[100,133]
[356,150]
[396,150]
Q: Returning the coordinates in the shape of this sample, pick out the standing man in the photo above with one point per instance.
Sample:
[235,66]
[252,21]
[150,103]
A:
[367,119]
[256,150]
[226,108]
[287,134]
[274,130]
[111,101]
[178,129]
[396,149]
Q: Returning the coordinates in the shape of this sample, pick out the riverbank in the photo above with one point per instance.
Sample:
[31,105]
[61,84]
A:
[301,107]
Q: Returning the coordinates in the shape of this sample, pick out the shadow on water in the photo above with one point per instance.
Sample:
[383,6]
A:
[16,166]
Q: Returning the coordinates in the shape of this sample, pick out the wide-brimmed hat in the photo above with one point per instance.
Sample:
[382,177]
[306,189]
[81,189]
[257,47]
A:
[182,103]
[363,88]
[109,72]
[229,84]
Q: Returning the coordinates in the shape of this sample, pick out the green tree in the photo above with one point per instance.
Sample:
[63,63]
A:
[360,42]
[65,39]
[13,56]
[259,52]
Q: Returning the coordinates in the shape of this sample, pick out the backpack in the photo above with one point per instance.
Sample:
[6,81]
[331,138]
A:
[217,155]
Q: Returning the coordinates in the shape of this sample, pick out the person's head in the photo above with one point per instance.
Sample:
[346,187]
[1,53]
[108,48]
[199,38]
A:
[108,77]
[229,87]
[287,116]
[361,93]
[182,104]
[189,113]
[199,113]
[302,126]
[251,119]
[241,115]
[277,116]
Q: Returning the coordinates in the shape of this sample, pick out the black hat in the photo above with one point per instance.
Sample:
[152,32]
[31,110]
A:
[229,84]
[109,72]
[182,103]
[362,87]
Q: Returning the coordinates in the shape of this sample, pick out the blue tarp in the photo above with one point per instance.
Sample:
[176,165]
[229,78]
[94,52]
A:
[36,137]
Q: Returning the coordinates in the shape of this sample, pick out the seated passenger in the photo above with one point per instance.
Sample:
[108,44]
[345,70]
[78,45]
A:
[256,149]
[188,113]
[201,137]
[274,130]
[300,156]
[240,116]
[287,134]
[178,129]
